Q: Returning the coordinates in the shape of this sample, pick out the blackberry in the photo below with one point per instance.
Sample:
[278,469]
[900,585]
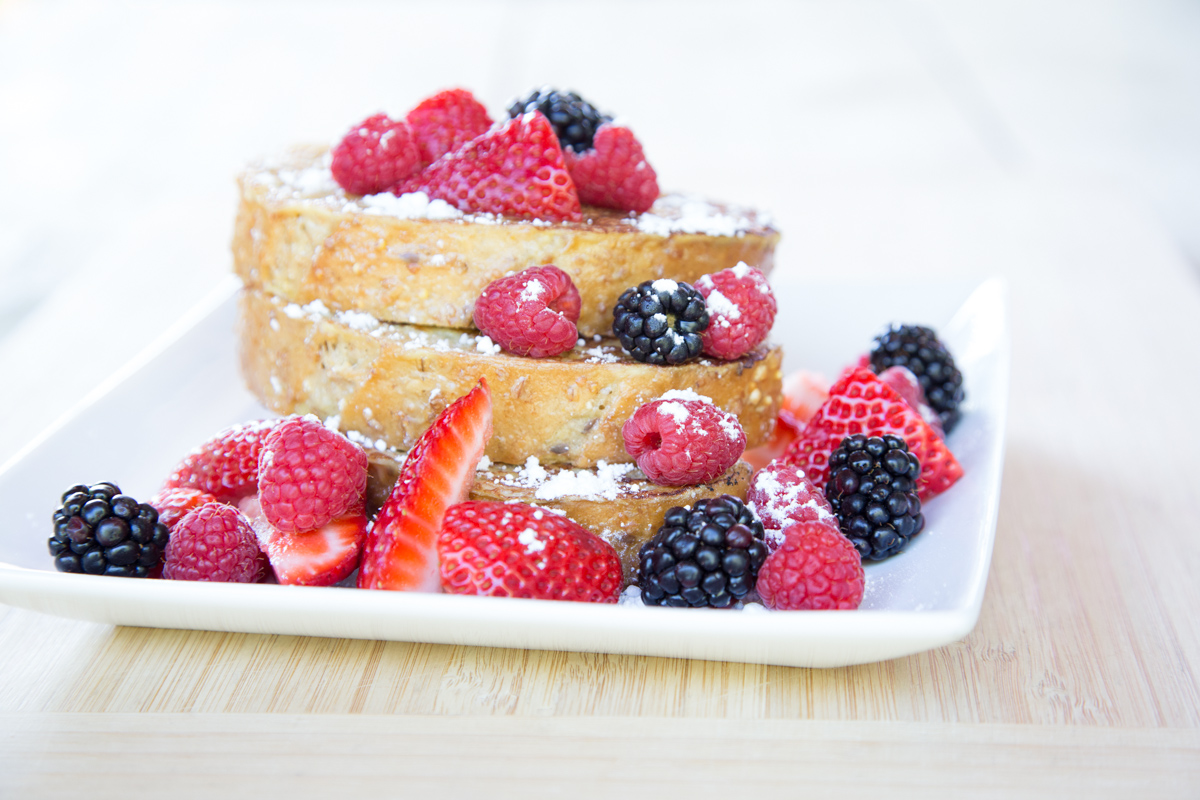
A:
[660,322]
[873,490]
[575,120]
[100,531]
[708,555]
[919,350]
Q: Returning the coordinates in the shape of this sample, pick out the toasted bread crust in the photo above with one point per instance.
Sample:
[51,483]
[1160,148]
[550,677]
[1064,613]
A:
[391,381]
[316,242]
[625,520]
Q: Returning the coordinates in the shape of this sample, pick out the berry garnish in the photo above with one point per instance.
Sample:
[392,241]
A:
[226,466]
[919,349]
[575,120]
[321,557]
[100,531]
[532,313]
[908,387]
[741,310]
[173,504]
[614,172]
[681,441]
[803,394]
[442,123]
[401,548]
[515,169]
[872,489]
[815,568]
[375,155]
[708,555]
[518,550]
[660,322]
[309,475]
[861,403]
[214,543]
[781,495]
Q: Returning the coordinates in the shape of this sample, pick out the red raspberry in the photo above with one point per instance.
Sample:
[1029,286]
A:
[741,310]
[214,543]
[815,568]
[173,505]
[532,313]
[375,155]
[518,550]
[780,495]
[614,173]
[442,123]
[515,168]
[309,475]
[226,466]
[682,441]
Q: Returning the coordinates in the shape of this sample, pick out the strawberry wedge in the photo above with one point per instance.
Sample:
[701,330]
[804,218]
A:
[320,557]
[401,550]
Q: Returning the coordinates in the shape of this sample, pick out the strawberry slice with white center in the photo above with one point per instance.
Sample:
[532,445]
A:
[320,557]
[401,551]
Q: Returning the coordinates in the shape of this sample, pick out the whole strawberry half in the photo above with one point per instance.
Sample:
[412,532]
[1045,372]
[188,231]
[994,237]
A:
[444,122]
[374,155]
[519,550]
[226,466]
[615,172]
[401,551]
[861,403]
[515,169]
[321,557]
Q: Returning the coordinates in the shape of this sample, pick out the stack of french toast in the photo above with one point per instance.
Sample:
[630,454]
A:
[359,306]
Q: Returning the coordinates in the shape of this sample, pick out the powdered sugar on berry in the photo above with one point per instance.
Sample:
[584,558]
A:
[532,291]
[530,540]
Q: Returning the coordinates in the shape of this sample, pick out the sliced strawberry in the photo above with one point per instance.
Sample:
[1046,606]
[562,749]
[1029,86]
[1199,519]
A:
[861,403]
[803,394]
[444,122]
[615,172]
[401,551]
[908,386]
[313,558]
[516,169]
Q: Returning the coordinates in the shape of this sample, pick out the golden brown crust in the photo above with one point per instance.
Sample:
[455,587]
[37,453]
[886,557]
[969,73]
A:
[391,381]
[307,240]
[625,520]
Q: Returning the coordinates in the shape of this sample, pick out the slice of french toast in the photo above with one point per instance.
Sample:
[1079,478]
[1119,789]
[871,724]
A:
[614,501]
[391,381]
[298,235]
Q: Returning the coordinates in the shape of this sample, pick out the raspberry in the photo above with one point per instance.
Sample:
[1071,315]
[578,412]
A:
[226,466]
[173,504]
[442,123]
[518,550]
[214,543]
[683,442]
[614,173]
[376,154]
[532,313]
[309,475]
[515,168]
[742,308]
[815,568]
[780,495]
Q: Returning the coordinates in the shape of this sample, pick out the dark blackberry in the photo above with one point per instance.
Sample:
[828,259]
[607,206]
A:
[873,490]
[574,119]
[100,531]
[708,555]
[660,322]
[919,350]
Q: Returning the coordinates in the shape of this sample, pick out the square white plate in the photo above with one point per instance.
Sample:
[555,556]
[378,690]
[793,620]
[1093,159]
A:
[185,387]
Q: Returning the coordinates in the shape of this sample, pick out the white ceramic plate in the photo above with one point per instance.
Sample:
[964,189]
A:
[133,429]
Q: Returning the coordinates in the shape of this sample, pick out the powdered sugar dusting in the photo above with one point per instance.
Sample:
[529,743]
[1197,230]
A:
[529,538]
[664,285]
[684,394]
[532,291]
[681,214]
[676,410]
[722,306]
[415,205]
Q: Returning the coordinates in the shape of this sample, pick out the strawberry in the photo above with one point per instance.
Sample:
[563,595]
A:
[516,169]
[803,394]
[444,122]
[908,386]
[861,403]
[614,173]
[519,550]
[314,558]
[226,466]
[401,548]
